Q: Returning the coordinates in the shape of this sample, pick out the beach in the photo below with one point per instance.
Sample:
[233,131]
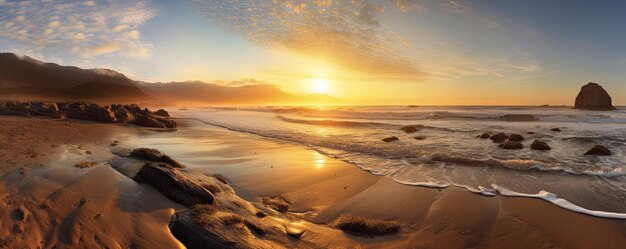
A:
[69,207]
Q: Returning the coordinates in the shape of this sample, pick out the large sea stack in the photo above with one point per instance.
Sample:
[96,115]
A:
[593,97]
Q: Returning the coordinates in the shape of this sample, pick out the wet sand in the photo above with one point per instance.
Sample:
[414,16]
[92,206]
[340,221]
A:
[94,207]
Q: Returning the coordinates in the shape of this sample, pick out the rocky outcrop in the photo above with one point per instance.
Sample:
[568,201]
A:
[539,145]
[162,113]
[593,97]
[194,235]
[484,136]
[598,150]
[127,114]
[174,184]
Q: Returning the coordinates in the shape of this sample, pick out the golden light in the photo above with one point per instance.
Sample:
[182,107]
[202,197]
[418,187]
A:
[319,86]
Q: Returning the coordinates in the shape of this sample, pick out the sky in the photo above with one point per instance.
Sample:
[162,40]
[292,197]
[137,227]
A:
[423,52]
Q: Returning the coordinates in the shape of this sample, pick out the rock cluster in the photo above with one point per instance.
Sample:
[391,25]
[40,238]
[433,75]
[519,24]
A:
[129,114]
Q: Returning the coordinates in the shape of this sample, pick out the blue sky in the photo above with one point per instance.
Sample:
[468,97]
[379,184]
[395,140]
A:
[392,51]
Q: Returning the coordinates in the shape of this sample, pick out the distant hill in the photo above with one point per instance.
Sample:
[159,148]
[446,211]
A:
[17,72]
[208,93]
[24,78]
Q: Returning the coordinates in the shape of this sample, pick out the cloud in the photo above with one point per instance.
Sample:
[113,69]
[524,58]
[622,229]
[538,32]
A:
[408,5]
[346,33]
[456,6]
[85,28]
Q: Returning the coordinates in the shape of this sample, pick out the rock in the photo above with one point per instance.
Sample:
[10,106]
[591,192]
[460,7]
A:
[516,137]
[511,145]
[194,235]
[390,139]
[162,113]
[174,184]
[484,136]
[122,115]
[148,121]
[100,114]
[598,150]
[555,129]
[154,156]
[518,118]
[419,138]
[411,128]
[539,145]
[499,138]
[593,97]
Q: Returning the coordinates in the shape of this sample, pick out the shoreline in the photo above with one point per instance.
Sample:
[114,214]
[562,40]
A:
[317,194]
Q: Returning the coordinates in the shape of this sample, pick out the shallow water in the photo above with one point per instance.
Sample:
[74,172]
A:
[449,152]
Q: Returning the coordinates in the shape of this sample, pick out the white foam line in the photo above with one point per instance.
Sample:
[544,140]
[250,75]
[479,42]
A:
[550,197]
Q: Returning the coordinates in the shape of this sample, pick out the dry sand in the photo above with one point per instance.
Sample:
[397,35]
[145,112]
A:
[97,207]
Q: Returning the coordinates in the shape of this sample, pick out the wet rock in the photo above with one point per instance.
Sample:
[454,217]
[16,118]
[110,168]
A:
[194,235]
[593,97]
[518,118]
[516,137]
[174,184]
[419,138]
[511,145]
[539,145]
[555,129]
[484,136]
[100,114]
[154,156]
[411,128]
[598,150]
[499,138]
[122,115]
[390,139]
[162,113]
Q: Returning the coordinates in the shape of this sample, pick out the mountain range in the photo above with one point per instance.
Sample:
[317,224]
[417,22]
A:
[27,78]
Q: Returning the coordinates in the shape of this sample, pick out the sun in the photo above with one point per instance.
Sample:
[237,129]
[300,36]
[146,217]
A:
[319,85]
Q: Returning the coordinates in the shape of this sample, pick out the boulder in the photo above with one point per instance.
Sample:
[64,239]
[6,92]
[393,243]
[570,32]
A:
[122,115]
[555,129]
[539,145]
[195,236]
[499,138]
[174,184]
[148,121]
[598,150]
[411,128]
[390,139]
[154,156]
[484,136]
[162,113]
[516,137]
[100,114]
[511,145]
[593,97]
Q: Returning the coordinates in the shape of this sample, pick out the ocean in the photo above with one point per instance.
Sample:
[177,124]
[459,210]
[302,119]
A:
[445,151]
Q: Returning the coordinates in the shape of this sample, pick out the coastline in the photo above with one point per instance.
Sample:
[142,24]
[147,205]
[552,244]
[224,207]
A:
[319,190]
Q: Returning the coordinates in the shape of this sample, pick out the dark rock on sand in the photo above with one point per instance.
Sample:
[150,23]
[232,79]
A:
[511,145]
[100,114]
[598,150]
[484,136]
[499,138]
[154,156]
[518,118]
[390,139]
[555,129]
[539,145]
[419,138]
[363,226]
[194,235]
[411,128]
[174,184]
[21,213]
[516,137]
[593,97]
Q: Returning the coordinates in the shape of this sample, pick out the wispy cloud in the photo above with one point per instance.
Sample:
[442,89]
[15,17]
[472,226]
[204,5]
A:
[347,33]
[86,28]
[409,5]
